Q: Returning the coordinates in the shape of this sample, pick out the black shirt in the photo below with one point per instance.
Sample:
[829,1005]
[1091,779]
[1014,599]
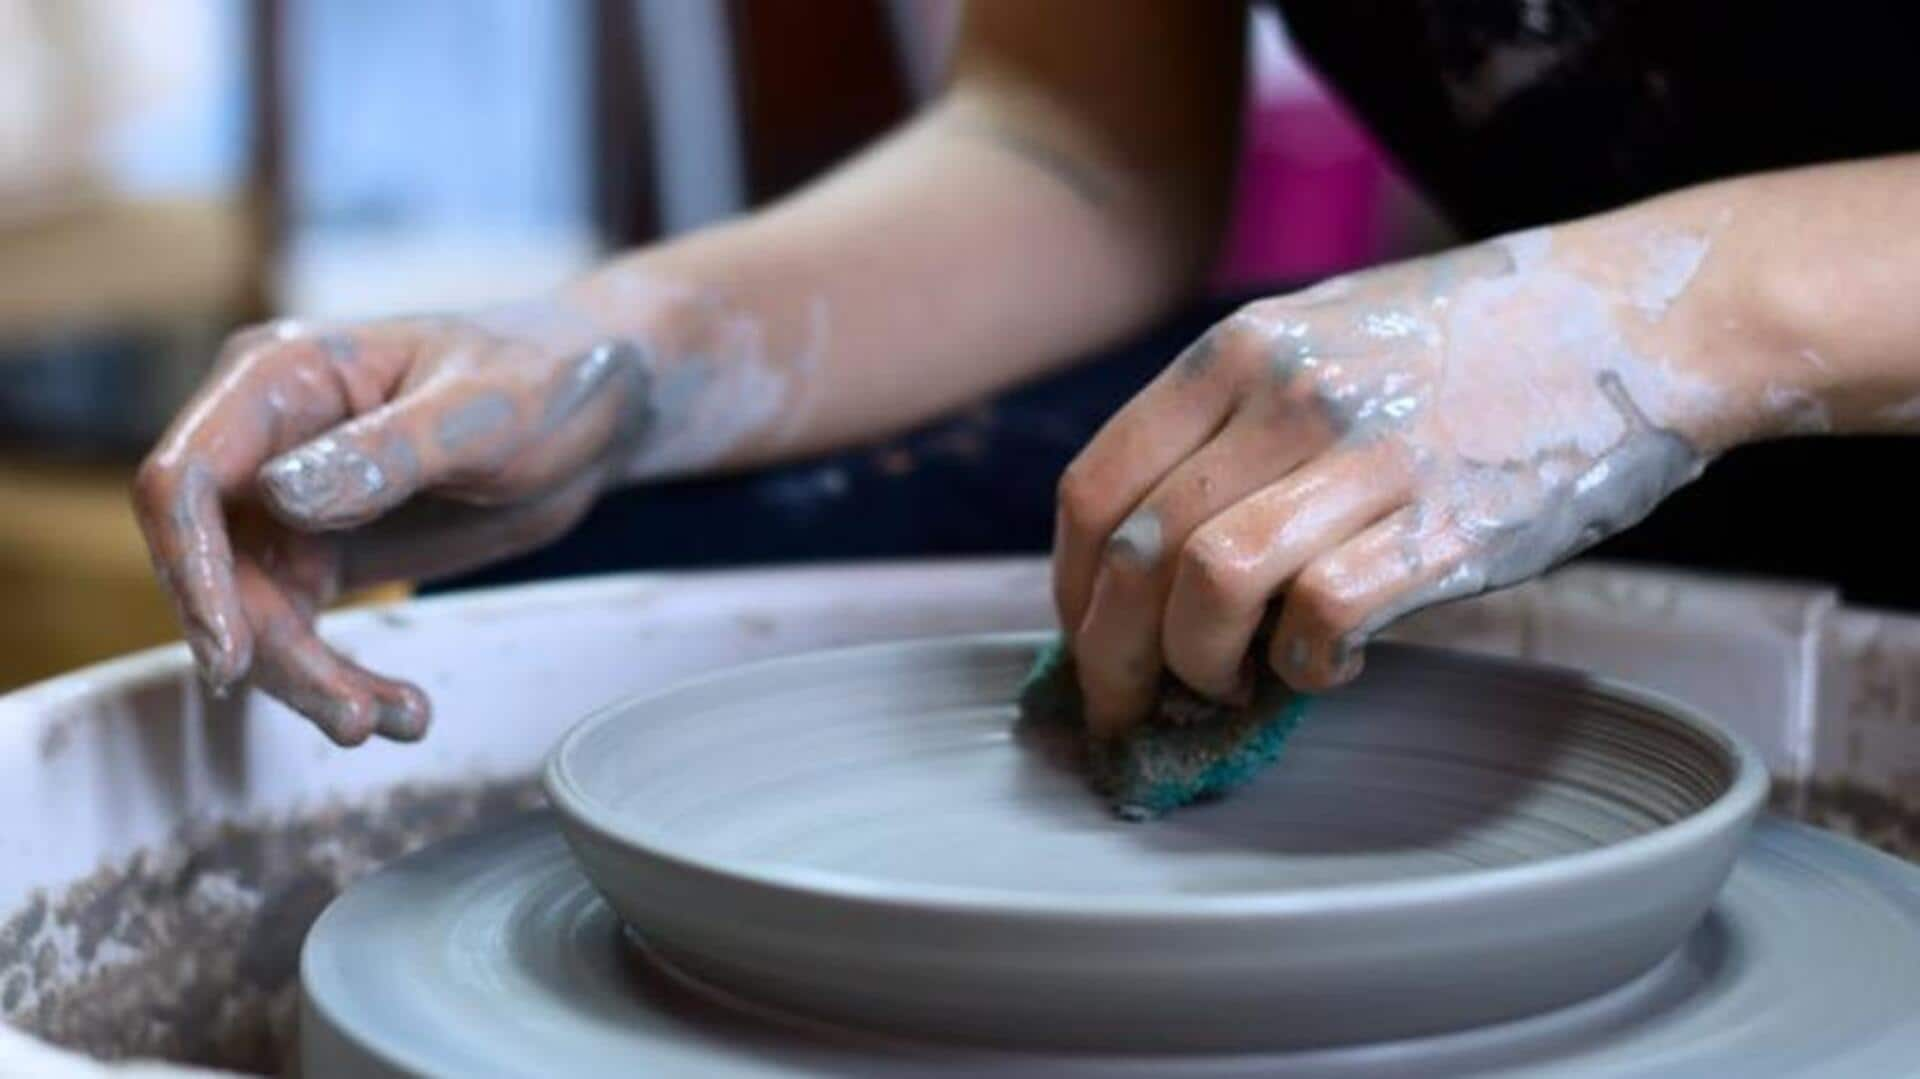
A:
[1511,113]
[1520,112]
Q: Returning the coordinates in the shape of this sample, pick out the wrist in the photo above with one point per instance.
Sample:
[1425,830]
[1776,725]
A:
[722,375]
[1743,330]
[1690,298]
[1838,335]
[656,340]
[620,302]
[633,298]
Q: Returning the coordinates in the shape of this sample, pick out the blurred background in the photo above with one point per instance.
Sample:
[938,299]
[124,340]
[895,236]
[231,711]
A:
[172,169]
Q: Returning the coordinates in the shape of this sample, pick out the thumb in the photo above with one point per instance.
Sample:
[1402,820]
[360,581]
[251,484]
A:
[362,469]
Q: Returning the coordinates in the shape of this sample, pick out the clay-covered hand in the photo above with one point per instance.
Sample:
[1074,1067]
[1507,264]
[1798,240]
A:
[318,459]
[1371,446]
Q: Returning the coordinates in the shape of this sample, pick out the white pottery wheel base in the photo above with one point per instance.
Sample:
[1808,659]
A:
[491,954]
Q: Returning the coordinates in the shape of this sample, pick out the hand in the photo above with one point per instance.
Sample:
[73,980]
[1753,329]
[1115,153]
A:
[1372,446]
[321,459]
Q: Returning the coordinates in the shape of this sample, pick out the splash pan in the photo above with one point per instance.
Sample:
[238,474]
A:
[865,838]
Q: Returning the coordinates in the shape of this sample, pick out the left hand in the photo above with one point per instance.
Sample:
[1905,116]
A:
[317,459]
[1369,447]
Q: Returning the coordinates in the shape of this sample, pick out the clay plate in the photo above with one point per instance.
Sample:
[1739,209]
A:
[865,837]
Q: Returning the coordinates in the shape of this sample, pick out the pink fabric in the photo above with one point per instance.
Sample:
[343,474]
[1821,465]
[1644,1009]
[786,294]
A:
[1308,195]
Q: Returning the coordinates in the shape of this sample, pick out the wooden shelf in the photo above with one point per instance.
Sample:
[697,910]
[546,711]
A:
[118,263]
[74,572]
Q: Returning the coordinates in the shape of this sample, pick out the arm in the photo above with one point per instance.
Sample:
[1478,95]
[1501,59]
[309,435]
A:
[1068,186]
[1812,276]
[1329,461]
[1065,188]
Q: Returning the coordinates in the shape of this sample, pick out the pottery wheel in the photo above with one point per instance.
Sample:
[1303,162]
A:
[491,955]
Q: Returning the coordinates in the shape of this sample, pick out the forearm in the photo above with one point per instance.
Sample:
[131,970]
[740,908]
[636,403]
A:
[1069,186]
[1800,305]
[953,260]
[972,250]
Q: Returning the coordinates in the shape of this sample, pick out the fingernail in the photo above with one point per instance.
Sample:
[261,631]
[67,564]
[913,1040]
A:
[1298,654]
[321,481]
[403,720]
[204,653]
[1138,539]
[1347,658]
[216,663]
[348,721]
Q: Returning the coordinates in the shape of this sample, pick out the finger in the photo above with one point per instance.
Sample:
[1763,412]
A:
[1119,644]
[432,538]
[1344,597]
[1233,566]
[1176,414]
[347,702]
[273,392]
[179,515]
[434,434]
[489,441]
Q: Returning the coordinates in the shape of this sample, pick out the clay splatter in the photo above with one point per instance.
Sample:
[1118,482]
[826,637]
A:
[1137,540]
[1671,261]
[592,375]
[484,417]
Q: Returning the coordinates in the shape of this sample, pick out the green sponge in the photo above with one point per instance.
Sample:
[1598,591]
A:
[1191,749]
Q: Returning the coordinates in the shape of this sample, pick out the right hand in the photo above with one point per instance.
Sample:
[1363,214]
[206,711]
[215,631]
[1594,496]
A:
[316,460]
[1326,462]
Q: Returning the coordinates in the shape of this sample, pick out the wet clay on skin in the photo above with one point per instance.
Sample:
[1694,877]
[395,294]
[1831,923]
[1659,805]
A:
[590,376]
[328,482]
[1530,420]
[1389,440]
[527,410]
[484,418]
